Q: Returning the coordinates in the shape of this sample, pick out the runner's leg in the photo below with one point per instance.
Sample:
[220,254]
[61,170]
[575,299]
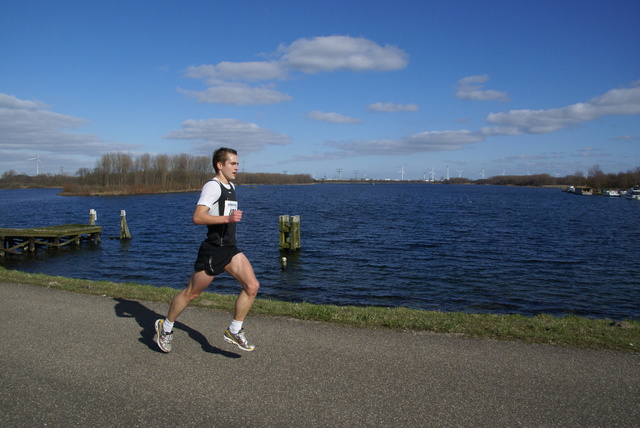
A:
[197,283]
[240,268]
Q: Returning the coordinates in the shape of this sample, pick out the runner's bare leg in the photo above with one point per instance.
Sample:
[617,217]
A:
[240,268]
[197,283]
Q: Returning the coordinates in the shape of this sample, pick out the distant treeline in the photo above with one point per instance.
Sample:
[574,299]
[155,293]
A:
[594,178]
[122,173]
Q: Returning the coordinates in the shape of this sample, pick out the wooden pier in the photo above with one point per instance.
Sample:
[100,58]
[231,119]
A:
[17,241]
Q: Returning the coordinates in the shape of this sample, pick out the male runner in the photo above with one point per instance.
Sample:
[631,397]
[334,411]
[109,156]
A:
[217,208]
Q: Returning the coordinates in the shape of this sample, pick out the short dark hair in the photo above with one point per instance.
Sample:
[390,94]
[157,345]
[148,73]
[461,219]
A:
[221,155]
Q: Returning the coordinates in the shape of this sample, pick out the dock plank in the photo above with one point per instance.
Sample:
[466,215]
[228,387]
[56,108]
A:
[12,241]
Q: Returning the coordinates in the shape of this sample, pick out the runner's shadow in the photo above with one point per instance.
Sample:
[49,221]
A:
[146,319]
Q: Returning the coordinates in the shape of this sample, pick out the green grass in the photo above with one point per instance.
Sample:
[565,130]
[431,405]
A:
[569,331]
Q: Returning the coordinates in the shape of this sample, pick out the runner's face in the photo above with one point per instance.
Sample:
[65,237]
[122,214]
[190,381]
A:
[229,168]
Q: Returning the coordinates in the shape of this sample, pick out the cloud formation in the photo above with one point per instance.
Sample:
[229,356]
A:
[239,94]
[623,101]
[332,117]
[230,82]
[392,107]
[471,88]
[244,136]
[29,129]
[28,126]
[325,54]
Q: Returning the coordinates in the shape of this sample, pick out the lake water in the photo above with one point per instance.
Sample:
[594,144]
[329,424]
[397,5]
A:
[482,249]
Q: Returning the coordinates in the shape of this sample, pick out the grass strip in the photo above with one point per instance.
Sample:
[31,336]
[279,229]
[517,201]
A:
[571,331]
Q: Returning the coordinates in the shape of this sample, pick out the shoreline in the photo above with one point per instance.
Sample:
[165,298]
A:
[569,331]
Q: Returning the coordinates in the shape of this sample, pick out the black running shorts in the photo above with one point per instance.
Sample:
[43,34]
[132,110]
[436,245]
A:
[213,258]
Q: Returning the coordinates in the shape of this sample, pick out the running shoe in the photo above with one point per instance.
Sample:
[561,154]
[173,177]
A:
[238,339]
[162,338]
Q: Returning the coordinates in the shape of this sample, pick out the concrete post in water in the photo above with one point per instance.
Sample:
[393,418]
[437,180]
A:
[124,228]
[289,232]
[93,217]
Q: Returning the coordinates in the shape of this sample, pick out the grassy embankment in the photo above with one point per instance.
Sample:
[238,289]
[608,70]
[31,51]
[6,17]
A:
[545,329]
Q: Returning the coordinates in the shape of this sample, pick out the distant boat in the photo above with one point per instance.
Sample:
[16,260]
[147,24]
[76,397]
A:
[633,193]
[582,190]
[611,193]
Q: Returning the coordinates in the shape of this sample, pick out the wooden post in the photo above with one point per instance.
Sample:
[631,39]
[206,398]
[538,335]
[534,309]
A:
[289,232]
[294,233]
[284,232]
[93,217]
[124,228]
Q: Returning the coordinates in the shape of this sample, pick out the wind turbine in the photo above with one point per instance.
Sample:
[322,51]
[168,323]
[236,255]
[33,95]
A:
[503,172]
[402,172]
[38,162]
[482,174]
[459,172]
[433,174]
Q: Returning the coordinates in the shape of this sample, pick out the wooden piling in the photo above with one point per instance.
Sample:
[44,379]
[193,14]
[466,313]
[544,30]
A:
[93,217]
[289,227]
[124,228]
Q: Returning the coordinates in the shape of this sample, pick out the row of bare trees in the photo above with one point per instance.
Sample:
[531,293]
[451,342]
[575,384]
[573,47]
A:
[119,173]
[167,172]
[153,173]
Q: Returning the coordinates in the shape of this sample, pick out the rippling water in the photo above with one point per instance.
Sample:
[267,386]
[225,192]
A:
[437,247]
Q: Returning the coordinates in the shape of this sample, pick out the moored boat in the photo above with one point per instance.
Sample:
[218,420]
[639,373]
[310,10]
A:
[633,193]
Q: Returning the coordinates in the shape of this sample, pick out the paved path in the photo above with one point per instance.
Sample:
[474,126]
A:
[88,361]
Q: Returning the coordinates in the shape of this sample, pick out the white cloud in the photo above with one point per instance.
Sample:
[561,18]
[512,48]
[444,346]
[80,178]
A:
[614,102]
[332,117]
[29,129]
[244,136]
[431,141]
[322,54]
[471,88]
[11,102]
[391,107]
[25,125]
[258,71]
[238,94]
[229,81]
[624,101]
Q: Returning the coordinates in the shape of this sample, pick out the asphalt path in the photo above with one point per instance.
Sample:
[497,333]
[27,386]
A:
[72,360]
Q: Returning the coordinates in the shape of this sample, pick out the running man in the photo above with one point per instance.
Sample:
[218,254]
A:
[217,209]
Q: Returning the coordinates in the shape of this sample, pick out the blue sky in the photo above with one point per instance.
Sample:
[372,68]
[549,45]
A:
[356,88]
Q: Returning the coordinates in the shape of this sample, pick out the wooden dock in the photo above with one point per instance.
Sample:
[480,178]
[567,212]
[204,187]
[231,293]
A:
[17,241]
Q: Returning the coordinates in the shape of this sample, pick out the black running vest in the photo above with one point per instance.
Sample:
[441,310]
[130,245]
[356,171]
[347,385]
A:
[223,234]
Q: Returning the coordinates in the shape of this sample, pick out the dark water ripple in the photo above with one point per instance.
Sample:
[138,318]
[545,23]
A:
[449,248]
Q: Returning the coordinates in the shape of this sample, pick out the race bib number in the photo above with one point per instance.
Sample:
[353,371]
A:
[230,206]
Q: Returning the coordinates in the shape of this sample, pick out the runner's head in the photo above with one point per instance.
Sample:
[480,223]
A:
[221,155]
